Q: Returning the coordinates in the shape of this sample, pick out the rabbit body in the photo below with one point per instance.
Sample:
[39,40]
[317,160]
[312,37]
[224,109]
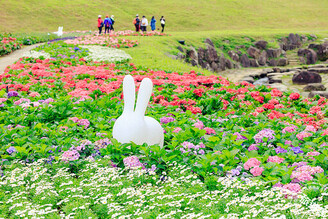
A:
[133,125]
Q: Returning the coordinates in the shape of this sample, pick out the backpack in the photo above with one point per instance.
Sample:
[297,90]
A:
[162,21]
[135,21]
[112,21]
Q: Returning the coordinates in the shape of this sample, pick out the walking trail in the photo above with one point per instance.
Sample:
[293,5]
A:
[14,56]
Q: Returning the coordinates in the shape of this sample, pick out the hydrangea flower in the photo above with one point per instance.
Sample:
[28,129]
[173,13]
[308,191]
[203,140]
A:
[70,155]
[12,94]
[11,150]
[166,120]
[265,133]
[132,162]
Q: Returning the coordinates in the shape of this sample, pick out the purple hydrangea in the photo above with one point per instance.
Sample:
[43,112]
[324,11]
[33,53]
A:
[165,120]
[297,150]
[11,150]
[265,133]
[280,150]
[239,136]
[12,94]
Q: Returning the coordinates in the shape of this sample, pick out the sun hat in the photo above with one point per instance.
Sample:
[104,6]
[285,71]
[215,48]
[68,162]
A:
[137,15]
[99,15]
[112,16]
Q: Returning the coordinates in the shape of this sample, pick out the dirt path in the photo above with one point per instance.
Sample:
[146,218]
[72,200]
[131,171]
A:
[13,57]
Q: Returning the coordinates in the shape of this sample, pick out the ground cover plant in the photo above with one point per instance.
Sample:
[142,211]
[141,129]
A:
[56,118]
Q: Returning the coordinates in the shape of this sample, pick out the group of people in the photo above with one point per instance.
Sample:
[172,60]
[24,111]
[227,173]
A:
[108,23]
[143,23]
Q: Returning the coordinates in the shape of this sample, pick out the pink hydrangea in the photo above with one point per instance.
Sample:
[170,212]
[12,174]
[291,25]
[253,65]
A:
[289,129]
[74,119]
[293,187]
[70,155]
[303,135]
[275,159]
[199,124]
[132,162]
[177,129]
[257,171]
[253,147]
[209,131]
[301,176]
[252,162]
[84,122]
[3,100]
[310,128]
[312,153]
[34,94]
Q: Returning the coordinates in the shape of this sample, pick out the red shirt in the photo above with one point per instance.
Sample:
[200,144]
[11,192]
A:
[99,22]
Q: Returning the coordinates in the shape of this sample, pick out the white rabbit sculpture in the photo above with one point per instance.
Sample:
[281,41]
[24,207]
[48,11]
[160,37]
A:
[133,125]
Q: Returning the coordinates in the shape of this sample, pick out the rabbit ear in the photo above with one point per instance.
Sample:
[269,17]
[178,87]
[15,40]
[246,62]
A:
[144,94]
[129,93]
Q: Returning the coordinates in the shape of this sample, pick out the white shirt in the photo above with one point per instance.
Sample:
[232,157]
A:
[144,22]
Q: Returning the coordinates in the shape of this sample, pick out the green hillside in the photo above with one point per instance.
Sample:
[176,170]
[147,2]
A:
[182,15]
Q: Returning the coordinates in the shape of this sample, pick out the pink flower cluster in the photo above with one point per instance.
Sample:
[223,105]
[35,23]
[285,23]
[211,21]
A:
[133,162]
[257,171]
[177,129]
[304,173]
[275,159]
[190,147]
[289,129]
[200,125]
[70,155]
[252,162]
[303,135]
[81,122]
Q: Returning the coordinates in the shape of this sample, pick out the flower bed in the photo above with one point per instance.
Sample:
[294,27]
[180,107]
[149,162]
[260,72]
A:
[8,45]
[63,110]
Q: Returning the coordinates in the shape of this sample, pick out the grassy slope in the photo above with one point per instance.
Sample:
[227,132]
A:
[182,15]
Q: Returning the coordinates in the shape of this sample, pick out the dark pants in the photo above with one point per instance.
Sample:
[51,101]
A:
[163,25]
[100,29]
[107,29]
[143,28]
[137,27]
[112,27]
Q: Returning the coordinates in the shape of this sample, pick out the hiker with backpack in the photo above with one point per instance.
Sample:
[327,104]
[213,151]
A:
[162,23]
[153,23]
[144,24]
[108,24]
[100,24]
[136,23]
[113,21]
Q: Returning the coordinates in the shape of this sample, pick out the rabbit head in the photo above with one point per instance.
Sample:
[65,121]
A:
[132,125]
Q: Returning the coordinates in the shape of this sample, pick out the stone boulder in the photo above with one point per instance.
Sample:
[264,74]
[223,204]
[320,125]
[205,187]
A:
[263,58]
[254,52]
[272,62]
[274,53]
[192,56]
[222,63]
[201,54]
[181,49]
[261,44]
[310,56]
[209,42]
[282,62]
[254,63]
[323,52]
[211,55]
[320,93]
[234,56]
[291,42]
[319,70]
[244,60]
[305,77]
[314,87]
[229,64]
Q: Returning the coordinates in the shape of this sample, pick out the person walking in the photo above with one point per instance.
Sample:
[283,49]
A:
[136,23]
[162,23]
[107,24]
[100,24]
[113,21]
[153,23]
[144,24]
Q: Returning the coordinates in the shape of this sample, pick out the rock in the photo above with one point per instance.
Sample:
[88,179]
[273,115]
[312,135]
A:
[222,63]
[248,79]
[261,81]
[229,64]
[273,62]
[320,93]
[245,61]
[180,56]
[276,70]
[240,47]
[254,52]
[181,49]
[314,87]
[305,77]
[302,60]
[192,56]
[293,41]
[211,55]
[323,52]
[304,38]
[201,54]
[319,70]
[261,44]
[234,56]
[282,62]
[215,67]
[309,55]
[275,79]
[274,53]
[171,56]
[279,86]
[263,58]
[209,41]
[254,63]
